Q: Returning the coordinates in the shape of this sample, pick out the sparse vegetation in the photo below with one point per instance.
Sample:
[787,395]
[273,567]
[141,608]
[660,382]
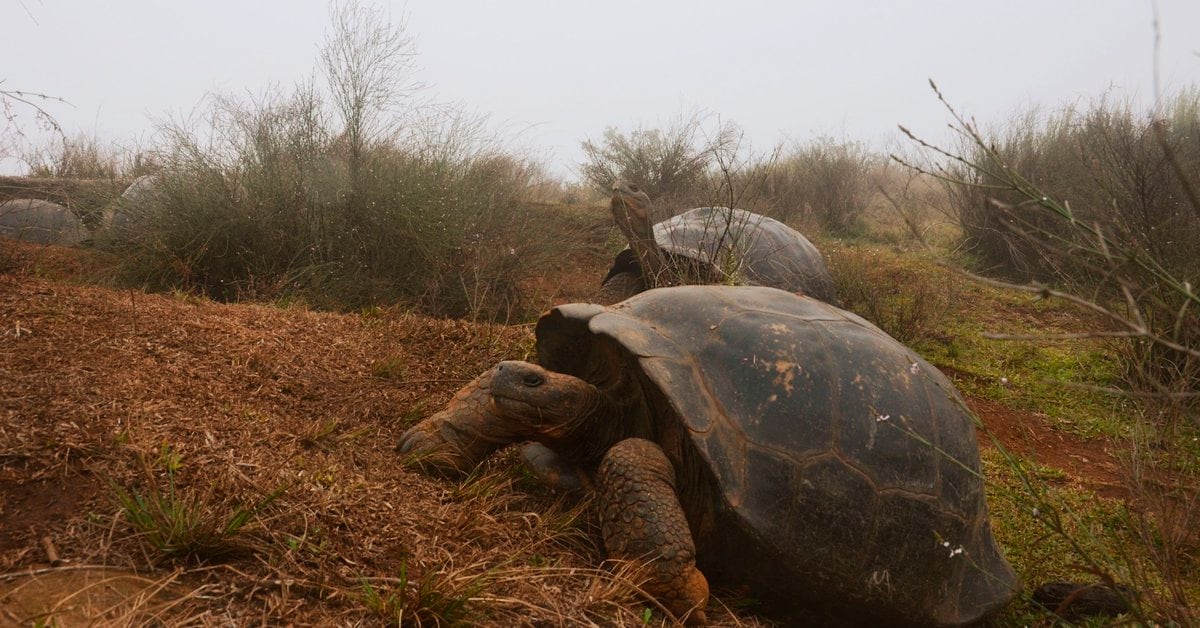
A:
[280,198]
[191,522]
[824,184]
[86,157]
[1141,303]
[1108,164]
[892,291]
[348,194]
[669,164]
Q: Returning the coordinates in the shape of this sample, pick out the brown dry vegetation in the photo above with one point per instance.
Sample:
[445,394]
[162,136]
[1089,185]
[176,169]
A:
[104,389]
[97,382]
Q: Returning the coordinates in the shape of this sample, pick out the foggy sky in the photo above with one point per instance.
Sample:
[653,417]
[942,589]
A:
[551,73]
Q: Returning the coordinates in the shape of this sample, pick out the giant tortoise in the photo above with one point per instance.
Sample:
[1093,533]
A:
[43,222]
[708,245]
[144,190]
[766,438]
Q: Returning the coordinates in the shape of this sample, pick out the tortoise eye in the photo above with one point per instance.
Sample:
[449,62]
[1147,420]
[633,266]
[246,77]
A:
[533,380]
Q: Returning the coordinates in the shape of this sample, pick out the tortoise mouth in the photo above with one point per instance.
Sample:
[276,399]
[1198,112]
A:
[539,421]
[506,404]
[540,399]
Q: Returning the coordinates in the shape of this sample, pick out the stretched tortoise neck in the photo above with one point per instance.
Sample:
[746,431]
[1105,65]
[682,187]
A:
[632,216]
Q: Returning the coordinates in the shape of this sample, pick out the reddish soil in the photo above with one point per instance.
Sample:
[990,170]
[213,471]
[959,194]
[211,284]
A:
[1087,462]
[94,381]
[35,508]
[95,384]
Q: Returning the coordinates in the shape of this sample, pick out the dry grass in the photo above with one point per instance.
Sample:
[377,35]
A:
[893,292]
[248,399]
[222,405]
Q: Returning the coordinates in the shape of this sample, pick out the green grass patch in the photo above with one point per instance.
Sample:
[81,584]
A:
[946,316]
[441,597]
[393,367]
[1051,530]
[187,523]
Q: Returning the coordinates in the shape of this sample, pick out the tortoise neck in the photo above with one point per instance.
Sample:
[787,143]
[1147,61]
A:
[638,230]
[617,412]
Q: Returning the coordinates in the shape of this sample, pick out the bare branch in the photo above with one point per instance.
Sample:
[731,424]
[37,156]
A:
[32,100]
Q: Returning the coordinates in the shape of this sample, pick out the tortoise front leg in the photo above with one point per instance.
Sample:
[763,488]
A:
[619,287]
[642,520]
[463,434]
[551,470]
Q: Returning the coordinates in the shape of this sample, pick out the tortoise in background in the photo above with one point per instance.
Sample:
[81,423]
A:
[709,245]
[43,222]
[753,436]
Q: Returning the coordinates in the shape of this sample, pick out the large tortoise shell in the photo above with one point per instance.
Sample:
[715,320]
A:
[754,249]
[848,457]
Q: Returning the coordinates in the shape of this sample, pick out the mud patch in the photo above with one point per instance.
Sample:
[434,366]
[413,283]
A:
[1088,462]
[31,509]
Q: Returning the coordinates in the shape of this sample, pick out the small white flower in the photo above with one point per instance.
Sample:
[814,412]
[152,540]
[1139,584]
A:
[914,369]
[945,543]
[1004,381]
[512,251]
[883,417]
[1036,512]
[956,551]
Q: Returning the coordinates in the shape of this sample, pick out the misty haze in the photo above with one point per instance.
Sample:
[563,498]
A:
[537,313]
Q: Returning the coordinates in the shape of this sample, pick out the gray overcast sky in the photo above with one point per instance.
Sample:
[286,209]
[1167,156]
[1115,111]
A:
[554,72]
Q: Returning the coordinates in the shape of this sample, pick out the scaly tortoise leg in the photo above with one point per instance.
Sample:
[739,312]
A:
[642,521]
[619,287]
[552,471]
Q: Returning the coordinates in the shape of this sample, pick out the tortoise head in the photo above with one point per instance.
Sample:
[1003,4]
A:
[546,406]
[631,210]
[630,205]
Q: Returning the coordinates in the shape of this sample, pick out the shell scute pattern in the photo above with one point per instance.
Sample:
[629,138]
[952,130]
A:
[832,447]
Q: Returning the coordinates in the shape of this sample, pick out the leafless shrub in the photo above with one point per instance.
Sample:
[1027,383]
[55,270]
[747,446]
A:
[1109,162]
[345,201]
[668,163]
[552,190]
[910,208]
[12,103]
[737,172]
[1146,304]
[1093,252]
[825,184]
[81,157]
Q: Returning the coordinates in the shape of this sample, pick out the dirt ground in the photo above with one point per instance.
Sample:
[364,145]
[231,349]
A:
[101,390]
[1085,462]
